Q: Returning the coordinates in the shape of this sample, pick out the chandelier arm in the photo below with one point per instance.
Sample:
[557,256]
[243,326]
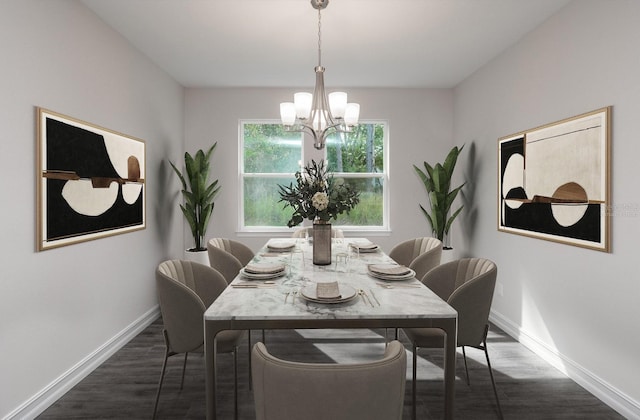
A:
[302,128]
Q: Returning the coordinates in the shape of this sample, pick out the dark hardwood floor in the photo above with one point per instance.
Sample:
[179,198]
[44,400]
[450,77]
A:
[124,387]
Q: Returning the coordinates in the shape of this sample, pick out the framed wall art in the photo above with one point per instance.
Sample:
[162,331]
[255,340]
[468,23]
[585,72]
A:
[90,181]
[554,181]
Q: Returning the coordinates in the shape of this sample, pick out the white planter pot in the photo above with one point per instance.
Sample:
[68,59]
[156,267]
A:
[201,257]
[448,255]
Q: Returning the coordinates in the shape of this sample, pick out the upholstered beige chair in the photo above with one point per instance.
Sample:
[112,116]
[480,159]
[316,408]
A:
[365,391]
[467,285]
[185,291]
[419,254]
[299,233]
[228,256]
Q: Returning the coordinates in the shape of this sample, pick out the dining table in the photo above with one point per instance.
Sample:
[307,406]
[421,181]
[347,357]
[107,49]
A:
[287,301]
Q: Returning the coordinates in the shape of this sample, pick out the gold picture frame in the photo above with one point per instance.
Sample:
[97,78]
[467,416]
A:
[554,181]
[90,181]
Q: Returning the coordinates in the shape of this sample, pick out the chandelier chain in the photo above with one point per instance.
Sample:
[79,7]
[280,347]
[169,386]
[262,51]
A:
[319,39]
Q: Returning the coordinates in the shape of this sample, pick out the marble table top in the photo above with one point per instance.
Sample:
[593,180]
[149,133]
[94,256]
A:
[267,302]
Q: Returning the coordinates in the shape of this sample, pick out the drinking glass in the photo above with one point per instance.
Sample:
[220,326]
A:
[296,261]
[342,262]
[353,253]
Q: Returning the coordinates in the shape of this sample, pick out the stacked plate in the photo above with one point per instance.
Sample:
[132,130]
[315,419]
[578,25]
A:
[283,245]
[364,247]
[333,292]
[263,271]
[391,272]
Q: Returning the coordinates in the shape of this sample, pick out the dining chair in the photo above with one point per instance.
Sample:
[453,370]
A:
[419,254]
[300,233]
[228,256]
[185,290]
[467,285]
[314,391]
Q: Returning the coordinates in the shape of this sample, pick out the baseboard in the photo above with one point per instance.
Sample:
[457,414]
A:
[56,389]
[604,391]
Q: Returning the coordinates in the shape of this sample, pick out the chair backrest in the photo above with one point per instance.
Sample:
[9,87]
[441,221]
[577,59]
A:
[299,233]
[228,256]
[467,285]
[293,390]
[406,252]
[239,250]
[185,290]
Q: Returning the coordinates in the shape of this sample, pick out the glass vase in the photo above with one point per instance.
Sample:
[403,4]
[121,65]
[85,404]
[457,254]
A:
[321,242]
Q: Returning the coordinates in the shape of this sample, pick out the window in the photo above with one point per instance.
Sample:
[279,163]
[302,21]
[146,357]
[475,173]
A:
[359,158]
[269,156]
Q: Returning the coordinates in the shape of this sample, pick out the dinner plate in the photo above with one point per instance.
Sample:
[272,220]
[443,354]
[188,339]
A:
[365,249]
[411,274]
[266,276]
[281,245]
[264,268]
[347,293]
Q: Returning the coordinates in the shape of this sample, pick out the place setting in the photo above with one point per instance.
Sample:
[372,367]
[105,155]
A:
[263,271]
[390,272]
[328,292]
[281,245]
[364,247]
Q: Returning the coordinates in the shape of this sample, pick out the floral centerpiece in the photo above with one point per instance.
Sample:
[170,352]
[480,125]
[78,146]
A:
[317,195]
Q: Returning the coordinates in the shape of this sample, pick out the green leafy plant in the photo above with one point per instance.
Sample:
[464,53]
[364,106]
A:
[437,181]
[198,194]
[317,195]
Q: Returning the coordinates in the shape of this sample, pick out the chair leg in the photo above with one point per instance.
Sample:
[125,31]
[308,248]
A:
[164,366]
[249,360]
[413,389]
[493,381]
[184,368]
[466,369]
[235,384]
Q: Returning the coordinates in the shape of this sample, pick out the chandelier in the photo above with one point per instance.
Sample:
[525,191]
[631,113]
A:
[318,114]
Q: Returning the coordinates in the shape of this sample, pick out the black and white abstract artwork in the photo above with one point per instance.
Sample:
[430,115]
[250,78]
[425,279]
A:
[91,181]
[553,181]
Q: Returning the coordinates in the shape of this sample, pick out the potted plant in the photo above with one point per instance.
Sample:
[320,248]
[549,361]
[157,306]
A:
[198,195]
[437,181]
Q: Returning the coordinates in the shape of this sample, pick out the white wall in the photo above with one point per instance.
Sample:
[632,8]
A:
[420,127]
[577,307]
[58,307]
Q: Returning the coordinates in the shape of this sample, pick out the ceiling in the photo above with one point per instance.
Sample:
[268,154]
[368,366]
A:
[365,43]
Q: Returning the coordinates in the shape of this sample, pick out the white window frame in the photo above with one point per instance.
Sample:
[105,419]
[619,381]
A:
[307,149]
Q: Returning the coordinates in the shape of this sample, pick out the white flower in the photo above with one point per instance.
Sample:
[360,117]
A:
[320,201]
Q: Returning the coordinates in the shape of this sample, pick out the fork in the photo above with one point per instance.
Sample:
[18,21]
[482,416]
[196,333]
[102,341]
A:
[293,297]
[364,296]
